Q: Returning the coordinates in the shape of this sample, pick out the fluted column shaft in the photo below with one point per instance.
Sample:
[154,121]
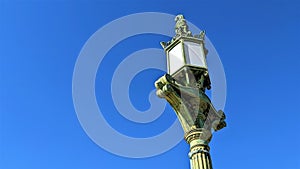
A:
[200,157]
[199,149]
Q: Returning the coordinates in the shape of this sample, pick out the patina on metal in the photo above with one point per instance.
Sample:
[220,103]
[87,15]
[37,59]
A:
[184,89]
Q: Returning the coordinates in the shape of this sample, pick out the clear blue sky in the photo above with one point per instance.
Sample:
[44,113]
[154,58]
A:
[258,43]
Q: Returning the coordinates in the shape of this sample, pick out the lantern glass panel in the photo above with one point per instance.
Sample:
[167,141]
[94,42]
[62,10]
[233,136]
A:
[176,59]
[195,54]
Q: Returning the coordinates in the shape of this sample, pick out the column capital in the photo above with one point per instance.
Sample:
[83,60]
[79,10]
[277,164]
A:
[198,136]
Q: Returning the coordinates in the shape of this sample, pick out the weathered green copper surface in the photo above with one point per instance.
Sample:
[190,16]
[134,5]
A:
[185,92]
[191,105]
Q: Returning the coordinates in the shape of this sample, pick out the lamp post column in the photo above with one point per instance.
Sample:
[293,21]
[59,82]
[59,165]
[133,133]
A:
[184,88]
[197,123]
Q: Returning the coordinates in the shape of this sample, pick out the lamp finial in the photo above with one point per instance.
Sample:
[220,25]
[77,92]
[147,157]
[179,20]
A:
[181,27]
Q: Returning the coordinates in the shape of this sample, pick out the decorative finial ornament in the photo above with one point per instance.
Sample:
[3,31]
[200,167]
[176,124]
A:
[181,27]
[182,30]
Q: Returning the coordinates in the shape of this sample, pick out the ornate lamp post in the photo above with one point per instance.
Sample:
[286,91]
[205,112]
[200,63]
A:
[184,88]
